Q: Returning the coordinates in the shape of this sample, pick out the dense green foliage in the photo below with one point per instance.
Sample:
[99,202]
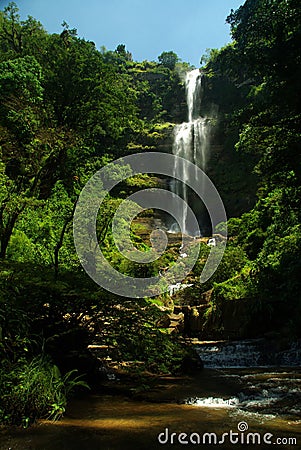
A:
[263,67]
[67,109]
[33,390]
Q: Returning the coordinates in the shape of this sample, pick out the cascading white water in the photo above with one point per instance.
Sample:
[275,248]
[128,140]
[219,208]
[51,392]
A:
[191,141]
[193,85]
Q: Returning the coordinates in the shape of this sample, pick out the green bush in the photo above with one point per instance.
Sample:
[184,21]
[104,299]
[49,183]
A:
[34,390]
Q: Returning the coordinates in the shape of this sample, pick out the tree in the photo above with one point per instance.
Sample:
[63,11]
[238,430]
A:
[264,63]
[121,50]
[168,59]
[20,38]
[20,98]
[267,35]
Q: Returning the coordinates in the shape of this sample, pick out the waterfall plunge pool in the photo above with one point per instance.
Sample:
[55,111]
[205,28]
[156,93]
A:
[213,401]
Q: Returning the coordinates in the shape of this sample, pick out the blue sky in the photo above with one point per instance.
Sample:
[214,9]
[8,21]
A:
[147,27]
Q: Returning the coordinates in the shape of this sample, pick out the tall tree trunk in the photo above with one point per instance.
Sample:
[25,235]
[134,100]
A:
[6,232]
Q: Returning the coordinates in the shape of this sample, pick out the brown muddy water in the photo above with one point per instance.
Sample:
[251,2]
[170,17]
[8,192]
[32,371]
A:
[263,401]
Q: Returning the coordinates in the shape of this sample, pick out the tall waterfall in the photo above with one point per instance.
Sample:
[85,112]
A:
[191,140]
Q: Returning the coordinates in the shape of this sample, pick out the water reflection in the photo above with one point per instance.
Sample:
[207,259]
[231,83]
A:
[133,421]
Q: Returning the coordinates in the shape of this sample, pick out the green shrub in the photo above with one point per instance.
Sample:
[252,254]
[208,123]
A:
[34,390]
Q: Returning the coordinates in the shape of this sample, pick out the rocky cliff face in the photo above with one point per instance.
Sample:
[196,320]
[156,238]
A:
[161,94]
[230,171]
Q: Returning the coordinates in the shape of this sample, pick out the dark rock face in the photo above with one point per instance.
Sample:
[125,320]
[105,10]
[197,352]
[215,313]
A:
[232,174]
[69,351]
[230,171]
[175,322]
[191,363]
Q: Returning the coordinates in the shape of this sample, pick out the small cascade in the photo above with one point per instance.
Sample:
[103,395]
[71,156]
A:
[174,288]
[258,392]
[213,402]
[248,353]
[191,141]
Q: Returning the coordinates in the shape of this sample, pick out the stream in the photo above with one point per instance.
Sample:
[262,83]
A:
[250,404]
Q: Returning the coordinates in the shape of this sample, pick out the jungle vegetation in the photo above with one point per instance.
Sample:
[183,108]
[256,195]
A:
[67,109]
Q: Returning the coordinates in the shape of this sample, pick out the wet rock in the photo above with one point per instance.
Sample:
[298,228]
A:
[173,321]
[191,363]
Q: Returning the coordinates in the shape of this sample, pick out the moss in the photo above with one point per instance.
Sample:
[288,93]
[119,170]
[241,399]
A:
[141,181]
[139,147]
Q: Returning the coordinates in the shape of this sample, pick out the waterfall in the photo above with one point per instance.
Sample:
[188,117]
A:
[193,85]
[248,353]
[191,141]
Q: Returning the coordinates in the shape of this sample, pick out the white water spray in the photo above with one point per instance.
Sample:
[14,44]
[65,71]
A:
[191,140]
